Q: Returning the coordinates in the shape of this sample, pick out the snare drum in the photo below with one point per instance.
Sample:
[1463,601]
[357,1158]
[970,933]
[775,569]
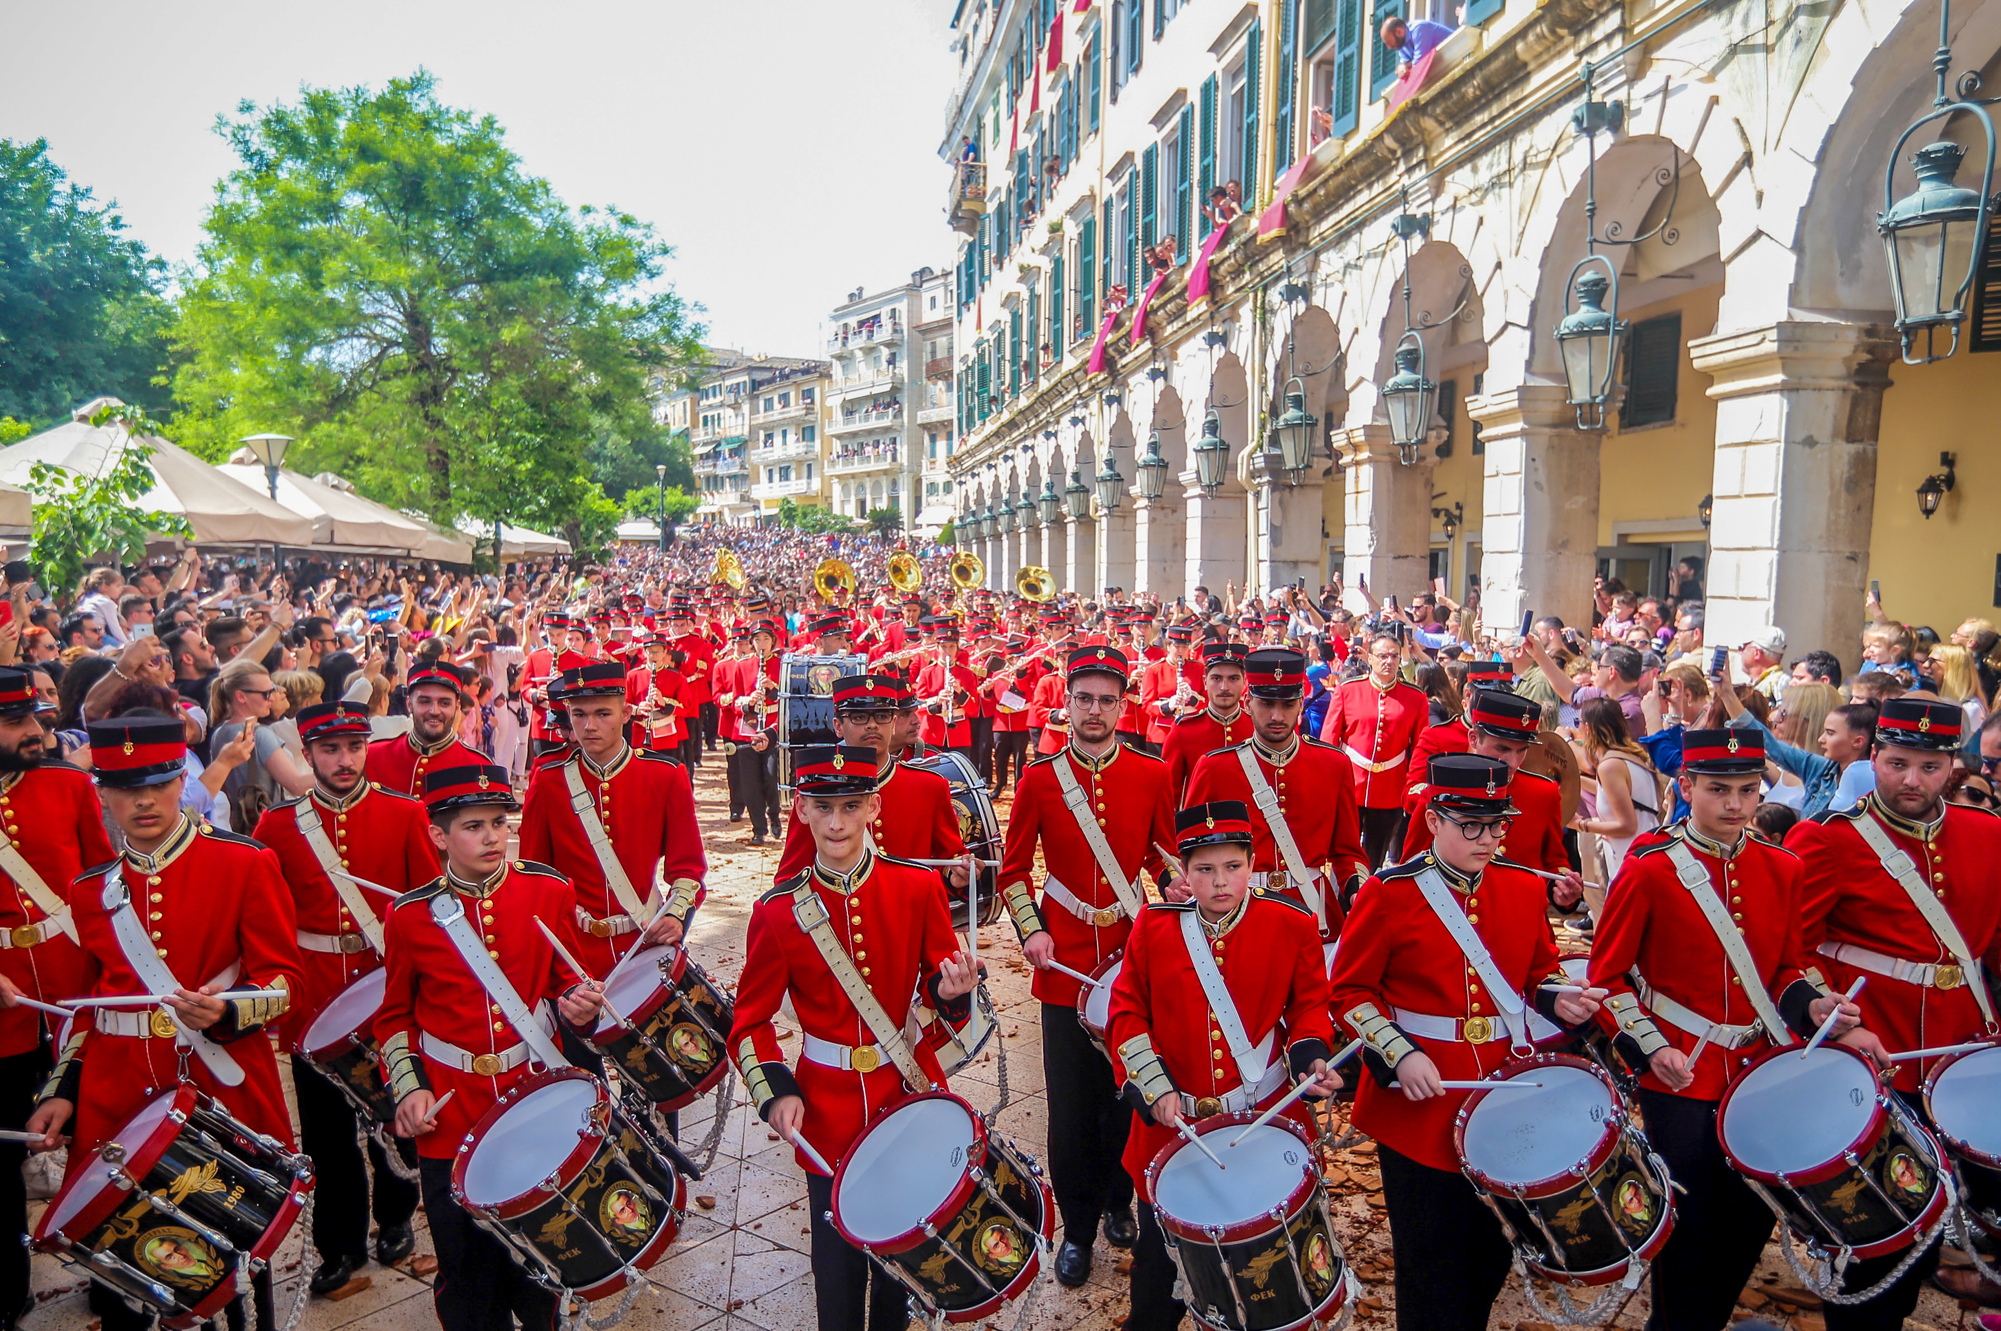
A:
[570,1184]
[676,1028]
[1793,1124]
[340,1044]
[1963,1097]
[1565,1170]
[1094,1005]
[950,1208]
[178,1209]
[1255,1242]
[978,828]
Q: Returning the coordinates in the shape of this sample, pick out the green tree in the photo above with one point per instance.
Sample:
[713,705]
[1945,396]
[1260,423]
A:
[382,280]
[80,307]
[948,535]
[622,459]
[885,522]
[644,502]
[788,513]
[13,431]
[80,519]
[817,521]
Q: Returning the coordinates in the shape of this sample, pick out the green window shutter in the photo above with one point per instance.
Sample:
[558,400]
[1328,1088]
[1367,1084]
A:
[1319,24]
[1149,179]
[1059,336]
[1479,11]
[1014,351]
[1284,112]
[1034,328]
[1205,177]
[1184,187]
[1094,93]
[1118,25]
[1382,60]
[1253,91]
[1653,372]
[1347,98]
[1111,242]
[984,395]
[986,241]
[1087,273]
[1132,240]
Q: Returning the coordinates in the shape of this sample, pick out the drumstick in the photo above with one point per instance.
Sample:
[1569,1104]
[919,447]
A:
[26,1138]
[147,1000]
[437,1105]
[1181,1126]
[798,1139]
[953,864]
[1563,988]
[1701,1045]
[1075,975]
[1481,1085]
[571,961]
[1939,1051]
[51,1008]
[1828,1025]
[1169,857]
[1305,1083]
[973,917]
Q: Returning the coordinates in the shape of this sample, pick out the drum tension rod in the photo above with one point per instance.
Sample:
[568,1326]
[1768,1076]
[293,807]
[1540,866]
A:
[1292,1251]
[1230,1277]
[268,1181]
[986,1185]
[931,1232]
[1869,1176]
[168,1209]
[110,1261]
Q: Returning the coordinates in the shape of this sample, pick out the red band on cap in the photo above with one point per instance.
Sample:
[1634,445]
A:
[126,757]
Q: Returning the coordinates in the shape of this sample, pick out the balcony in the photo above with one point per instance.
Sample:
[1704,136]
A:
[783,489]
[723,462]
[932,415]
[874,382]
[855,421]
[938,367]
[875,335]
[801,412]
[888,459]
[967,203]
[791,450]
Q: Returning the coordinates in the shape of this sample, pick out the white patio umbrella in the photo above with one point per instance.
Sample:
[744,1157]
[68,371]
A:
[342,519]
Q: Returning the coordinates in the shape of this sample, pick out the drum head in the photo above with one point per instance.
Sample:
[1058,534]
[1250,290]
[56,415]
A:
[346,1012]
[529,1140]
[632,982]
[1098,1003]
[904,1169]
[1788,1114]
[1265,1171]
[1523,1137]
[88,1182]
[1965,1100]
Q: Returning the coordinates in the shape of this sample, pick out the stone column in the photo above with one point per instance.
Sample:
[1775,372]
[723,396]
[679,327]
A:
[1115,548]
[1288,527]
[1081,544]
[1056,551]
[1539,526]
[1386,516]
[1158,537]
[1216,529]
[1028,541]
[1798,408]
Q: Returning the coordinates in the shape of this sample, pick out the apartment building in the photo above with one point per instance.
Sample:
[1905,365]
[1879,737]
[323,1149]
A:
[879,389]
[756,432]
[937,433]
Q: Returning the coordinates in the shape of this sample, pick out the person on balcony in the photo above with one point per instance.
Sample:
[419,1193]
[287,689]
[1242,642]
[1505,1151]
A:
[1412,42]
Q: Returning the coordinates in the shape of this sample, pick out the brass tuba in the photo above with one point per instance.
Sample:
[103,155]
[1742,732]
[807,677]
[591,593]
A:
[831,575]
[1035,583]
[728,570]
[967,570]
[905,573]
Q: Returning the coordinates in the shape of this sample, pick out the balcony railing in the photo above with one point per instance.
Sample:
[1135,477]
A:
[870,383]
[723,464]
[872,336]
[944,411]
[887,460]
[967,203]
[851,422]
[782,489]
[798,411]
[785,452]
[938,367]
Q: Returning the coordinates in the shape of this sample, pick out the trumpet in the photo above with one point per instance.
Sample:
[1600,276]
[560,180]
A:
[831,575]
[905,573]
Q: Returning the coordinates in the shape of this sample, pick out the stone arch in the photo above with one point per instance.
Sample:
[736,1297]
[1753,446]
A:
[1229,396]
[1441,282]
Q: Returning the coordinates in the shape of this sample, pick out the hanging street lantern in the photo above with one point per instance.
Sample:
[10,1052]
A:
[1407,397]
[1152,469]
[1706,510]
[1588,340]
[1296,427]
[1212,455]
[1048,504]
[1024,512]
[1111,486]
[1077,495]
[1003,517]
[1932,238]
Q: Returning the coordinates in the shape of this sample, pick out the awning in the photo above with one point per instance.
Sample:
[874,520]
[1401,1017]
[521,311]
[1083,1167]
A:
[341,519]
[16,511]
[515,542]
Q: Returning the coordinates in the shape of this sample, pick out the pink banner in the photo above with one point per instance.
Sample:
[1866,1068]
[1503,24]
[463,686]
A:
[1273,221]
[1096,365]
[1055,43]
[1198,272]
[1139,332]
[1413,79]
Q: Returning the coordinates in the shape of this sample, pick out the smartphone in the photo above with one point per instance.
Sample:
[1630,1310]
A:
[1300,585]
[1438,586]
[1719,661]
[1875,587]
[1528,623]
[1391,603]
[1180,603]
[1362,581]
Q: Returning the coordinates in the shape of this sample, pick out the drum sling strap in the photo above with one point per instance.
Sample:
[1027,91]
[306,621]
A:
[449,911]
[1514,1012]
[1898,865]
[1695,878]
[1253,1060]
[344,883]
[614,873]
[1078,801]
[146,963]
[811,914]
[1297,868]
[24,876]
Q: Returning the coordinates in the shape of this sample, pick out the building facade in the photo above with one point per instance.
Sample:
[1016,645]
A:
[1756,413]
[787,437]
[937,420]
[879,388]
[756,431]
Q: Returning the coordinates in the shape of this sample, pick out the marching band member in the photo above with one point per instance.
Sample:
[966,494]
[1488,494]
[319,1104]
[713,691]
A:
[851,940]
[654,690]
[610,851]
[1375,720]
[539,671]
[1221,1006]
[345,825]
[1436,957]
[945,683]
[466,1011]
[1099,814]
[1218,725]
[1169,688]
[698,658]
[749,704]
[1906,888]
[189,912]
[1010,683]
[1306,836]
[1451,735]
[399,763]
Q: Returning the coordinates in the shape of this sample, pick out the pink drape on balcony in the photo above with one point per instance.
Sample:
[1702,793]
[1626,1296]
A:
[1413,79]
[1272,221]
[1139,332]
[1198,272]
[1096,365]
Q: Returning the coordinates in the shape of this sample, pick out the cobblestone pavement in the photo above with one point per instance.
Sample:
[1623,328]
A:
[741,1262]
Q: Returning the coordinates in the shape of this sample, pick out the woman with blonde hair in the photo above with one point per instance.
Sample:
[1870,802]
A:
[301,688]
[1624,799]
[1954,674]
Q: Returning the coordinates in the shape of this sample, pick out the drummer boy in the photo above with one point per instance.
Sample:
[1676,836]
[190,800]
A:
[1212,988]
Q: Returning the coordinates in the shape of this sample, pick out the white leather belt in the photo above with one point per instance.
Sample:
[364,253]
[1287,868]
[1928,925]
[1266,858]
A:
[1455,1030]
[333,942]
[1369,764]
[846,1057]
[1101,916]
[138,1025]
[1237,1101]
[1929,975]
[485,1065]
[29,935]
[611,926]
[1685,1018]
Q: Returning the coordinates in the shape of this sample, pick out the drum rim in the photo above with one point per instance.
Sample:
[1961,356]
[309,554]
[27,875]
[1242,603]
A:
[611,1031]
[648,1256]
[1029,1269]
[1947,1139]
[955,1200]
[566,1171]
[1646,1251]
[329,1049]
[138,1162]
[1879,1111]
[1243,1229]
[1098,973]
[1615,1125]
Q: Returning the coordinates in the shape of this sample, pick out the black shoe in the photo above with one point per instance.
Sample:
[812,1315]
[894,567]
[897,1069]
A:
[337,1271]
[1073,1264]
[736,817]
[1120,1229]
[393,1243]
[757,839]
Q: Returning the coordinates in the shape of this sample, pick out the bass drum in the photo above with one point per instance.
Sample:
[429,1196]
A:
[978,828]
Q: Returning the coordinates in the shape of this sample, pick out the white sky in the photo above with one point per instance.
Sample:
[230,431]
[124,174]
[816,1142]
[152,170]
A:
[787,149]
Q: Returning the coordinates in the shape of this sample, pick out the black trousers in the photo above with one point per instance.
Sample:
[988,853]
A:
[689,750]
[1450,1254]
[850,1290]
[1381,835]
[983,748]
[730,770]
[21,1077]
[1008,744]
[755,776]
[1088,1124]
[1154,1307]
[712,719]
[341,1201]
[1720,1225]
[481,1287]
[1887,1311]
[1151,748]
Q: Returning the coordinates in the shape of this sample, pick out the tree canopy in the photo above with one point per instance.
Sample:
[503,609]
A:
[383,281]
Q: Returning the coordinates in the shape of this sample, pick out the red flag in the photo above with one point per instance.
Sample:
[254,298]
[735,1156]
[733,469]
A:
[1083,6]
[1056,43]
[1014,132]
[1034,91]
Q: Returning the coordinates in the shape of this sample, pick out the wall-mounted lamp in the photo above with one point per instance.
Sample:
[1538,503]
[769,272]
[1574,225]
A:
[1936,487]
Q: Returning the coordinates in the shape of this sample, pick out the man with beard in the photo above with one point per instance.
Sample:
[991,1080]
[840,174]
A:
[401,762]
[53,828]
[348,850]
[1217,726]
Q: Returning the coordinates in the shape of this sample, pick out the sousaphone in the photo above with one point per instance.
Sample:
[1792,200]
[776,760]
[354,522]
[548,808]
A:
[832,574]
[905,573]
[967,570]
[1035,583]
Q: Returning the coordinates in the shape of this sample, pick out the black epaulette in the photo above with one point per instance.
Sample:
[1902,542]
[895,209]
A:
[59,765]
[1171,905]
[214,833]
[1280,899]
[1188,720]
[1045,758]
[887,858]
[1828,815]
[293,802]
[1310,741]
[1763,840]
[1652,848]
[786,888]
[1410,868]
[537,867]
[96,869]
[424,893]
[392,792]
[1506,863]
[658,756]
[1227,748]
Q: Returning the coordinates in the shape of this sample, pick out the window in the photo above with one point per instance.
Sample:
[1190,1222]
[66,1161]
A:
[1382,60]
[1128,41]
[1123,226]
[809,471]
[1653,367]
[1236,117]
[1093,84]
[1059,335]
[1176,189]
[1149,212]
[770,404]
[784,400]
[1163,13]
[805,397]
[1205,177]
[805,434]
[1284,110]
[1087,305]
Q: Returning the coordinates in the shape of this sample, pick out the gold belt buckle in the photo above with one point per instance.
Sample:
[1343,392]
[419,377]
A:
[865,1059]
[1947,976]
[1208,1107]
[25,935]
[162,1024]
[598,928]
[352,942]
[1105,918]
[1477,1030]
[486,1065]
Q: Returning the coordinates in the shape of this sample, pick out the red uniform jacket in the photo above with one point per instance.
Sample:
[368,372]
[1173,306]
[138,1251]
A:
[1316,797]
[664,689]
[52,816]
[955,684]
[1129,798]
[648,810]
[539,672]
[1051,693]
[1445,737]
[430,988]
[398,764]
[696,669]
[1850,898]
[1163,1033]
[1535,838]
[1652,928]
[212,900]
[1396,954]
[380,835]
[1195,736]
[749,710]
[1377,729]
[1160,682]
[890,918]
[918,821]
[1021,683]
